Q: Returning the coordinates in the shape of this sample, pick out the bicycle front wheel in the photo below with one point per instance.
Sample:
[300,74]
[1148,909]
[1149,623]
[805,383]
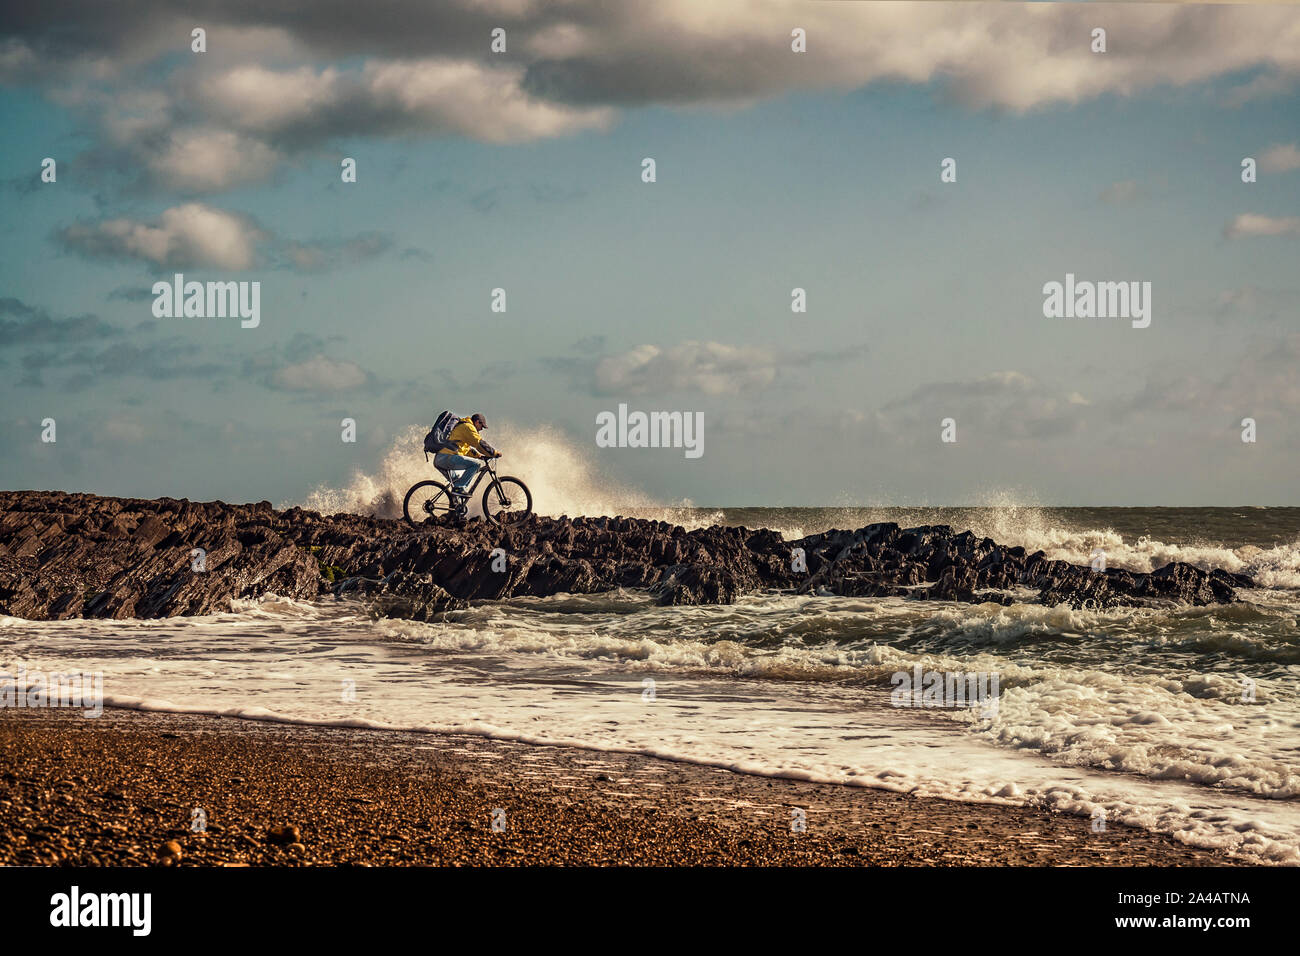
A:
[507,500]
[425,500]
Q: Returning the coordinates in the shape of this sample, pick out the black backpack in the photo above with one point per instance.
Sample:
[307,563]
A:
[439,436]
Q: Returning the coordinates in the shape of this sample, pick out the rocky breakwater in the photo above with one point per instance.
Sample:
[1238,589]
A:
[76,555]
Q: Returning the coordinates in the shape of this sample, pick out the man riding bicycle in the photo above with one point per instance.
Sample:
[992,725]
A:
[455,456]
[459,453]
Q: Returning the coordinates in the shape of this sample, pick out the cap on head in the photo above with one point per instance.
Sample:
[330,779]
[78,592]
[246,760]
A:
[478,420]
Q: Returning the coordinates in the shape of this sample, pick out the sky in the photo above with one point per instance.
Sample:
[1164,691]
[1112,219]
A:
[775,169]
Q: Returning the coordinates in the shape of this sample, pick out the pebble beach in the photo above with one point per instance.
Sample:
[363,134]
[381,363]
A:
[122,790]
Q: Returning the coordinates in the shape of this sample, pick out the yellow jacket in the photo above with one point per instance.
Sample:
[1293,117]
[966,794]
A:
[464,438]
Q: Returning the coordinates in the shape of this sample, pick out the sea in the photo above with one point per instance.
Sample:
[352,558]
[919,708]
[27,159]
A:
[1180,720]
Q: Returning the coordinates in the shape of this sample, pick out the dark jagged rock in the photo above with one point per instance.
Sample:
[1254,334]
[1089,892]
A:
[403,594]
[75,555]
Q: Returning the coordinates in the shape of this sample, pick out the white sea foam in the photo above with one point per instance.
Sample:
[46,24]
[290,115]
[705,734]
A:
[780,685]
[1276,567]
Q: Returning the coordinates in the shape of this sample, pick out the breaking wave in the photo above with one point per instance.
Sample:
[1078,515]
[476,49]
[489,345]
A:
[563,478]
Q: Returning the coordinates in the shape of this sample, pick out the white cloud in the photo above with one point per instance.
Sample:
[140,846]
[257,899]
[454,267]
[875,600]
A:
[712,368]
[17,60]
[1250,224]
[130,117]
[318,374]
[192,234]
[257,98]
[243,122]
[1264,381]
[709,367]
[209,160]
[433,95]
[198,235]
[1280,159]
[427,70]
[473,100]
[318,256]
[1012,55]
[1261,87]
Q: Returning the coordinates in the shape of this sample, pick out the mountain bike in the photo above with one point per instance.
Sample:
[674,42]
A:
[505,499]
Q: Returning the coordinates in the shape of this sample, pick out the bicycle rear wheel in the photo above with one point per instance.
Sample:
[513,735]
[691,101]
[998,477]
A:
[425,500]
[507,500]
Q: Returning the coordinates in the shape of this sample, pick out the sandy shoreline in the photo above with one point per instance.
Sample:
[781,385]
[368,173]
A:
[116,790]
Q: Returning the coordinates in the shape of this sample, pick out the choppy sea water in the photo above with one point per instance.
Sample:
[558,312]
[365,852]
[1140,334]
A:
[1178,719]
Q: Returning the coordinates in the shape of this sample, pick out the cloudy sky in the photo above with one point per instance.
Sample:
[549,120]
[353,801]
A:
[521,170]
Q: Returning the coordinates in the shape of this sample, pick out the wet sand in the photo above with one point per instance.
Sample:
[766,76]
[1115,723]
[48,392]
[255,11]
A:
[121,790]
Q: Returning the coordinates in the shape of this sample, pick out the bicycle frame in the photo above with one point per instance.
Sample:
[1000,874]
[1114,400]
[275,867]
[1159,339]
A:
[502,496]
[488,467]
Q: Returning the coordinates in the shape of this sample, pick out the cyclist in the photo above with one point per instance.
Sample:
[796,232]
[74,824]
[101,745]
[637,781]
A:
[464,442]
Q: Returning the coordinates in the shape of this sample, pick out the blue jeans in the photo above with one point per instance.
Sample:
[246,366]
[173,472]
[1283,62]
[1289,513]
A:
[467,467]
